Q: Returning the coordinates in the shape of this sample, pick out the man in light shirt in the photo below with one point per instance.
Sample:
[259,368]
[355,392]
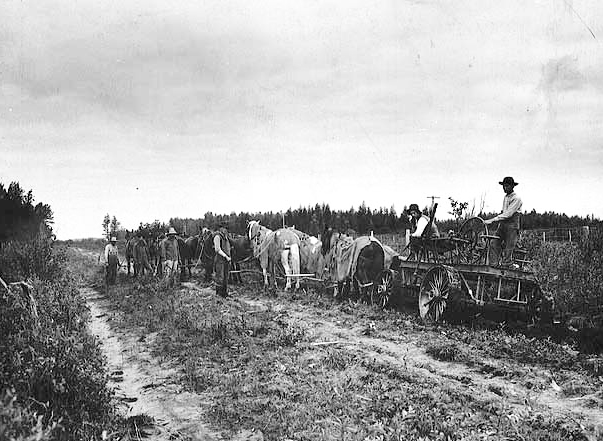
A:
[111,261]
[420,221]
[508,224]
[170,256]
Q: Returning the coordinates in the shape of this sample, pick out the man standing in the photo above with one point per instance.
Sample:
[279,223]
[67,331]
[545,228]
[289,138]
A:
[111,261]
[170,255]
[222,260]
[508,224]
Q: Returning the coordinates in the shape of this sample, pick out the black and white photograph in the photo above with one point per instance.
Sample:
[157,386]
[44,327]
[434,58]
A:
[312,220]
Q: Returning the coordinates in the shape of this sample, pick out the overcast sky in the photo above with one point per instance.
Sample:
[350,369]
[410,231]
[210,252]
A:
[156,109]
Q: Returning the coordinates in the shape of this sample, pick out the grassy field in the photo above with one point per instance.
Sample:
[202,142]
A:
[301,366]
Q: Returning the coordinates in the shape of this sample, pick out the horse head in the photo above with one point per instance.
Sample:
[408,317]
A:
[326,237]
[253,229]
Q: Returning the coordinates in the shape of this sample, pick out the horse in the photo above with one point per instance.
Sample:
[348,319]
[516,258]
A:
[130,252]
[187,248]
[271,247]
[240,250]
[154,251]
[352,261]
[159,267]
[310,253]
[141,257]
[205,253]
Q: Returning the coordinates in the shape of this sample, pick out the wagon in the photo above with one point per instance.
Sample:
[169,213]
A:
[456,274]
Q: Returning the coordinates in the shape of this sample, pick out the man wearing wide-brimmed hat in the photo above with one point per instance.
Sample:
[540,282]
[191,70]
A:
[111,261]
[419,222]
[508,224]
[222,259]
[170,255]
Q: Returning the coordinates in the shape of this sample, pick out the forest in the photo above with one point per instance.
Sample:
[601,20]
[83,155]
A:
[362,220]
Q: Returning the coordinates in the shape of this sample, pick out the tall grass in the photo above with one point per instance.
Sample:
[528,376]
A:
[572,273]
[53,381]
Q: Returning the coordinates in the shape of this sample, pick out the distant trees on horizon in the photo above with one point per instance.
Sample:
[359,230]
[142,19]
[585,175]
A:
[313,220]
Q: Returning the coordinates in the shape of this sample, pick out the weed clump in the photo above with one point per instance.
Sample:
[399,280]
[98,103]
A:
[447,351]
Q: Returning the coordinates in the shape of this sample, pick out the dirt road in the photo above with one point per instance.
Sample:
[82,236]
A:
[144,384]
[523,390]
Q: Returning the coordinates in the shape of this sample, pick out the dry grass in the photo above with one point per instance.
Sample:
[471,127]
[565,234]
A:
[262,372]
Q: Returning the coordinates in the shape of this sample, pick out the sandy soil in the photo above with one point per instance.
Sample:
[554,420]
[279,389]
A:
[143,383]
[152,382]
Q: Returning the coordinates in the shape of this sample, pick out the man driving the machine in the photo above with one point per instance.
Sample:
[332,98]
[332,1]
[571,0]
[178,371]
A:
[508,224]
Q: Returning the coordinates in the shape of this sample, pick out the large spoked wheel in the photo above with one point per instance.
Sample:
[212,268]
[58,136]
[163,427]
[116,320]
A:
[382,288]
[436,290]
[474,249]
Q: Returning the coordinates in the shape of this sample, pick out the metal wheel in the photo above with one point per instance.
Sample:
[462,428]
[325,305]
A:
[436,289]
[475,249]
[382,288]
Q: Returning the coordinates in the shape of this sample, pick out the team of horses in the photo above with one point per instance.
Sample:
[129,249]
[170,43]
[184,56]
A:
[286,253]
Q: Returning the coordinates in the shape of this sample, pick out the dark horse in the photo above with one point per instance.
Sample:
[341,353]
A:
[154,252]
[188,248]
[352,261]
[240,250]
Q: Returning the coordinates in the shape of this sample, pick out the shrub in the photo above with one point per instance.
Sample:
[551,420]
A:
[53,380]
[20,260]
[21,423]
[573,274]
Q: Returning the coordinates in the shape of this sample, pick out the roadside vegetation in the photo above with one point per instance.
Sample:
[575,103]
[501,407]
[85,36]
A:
[265,369]
[53,382]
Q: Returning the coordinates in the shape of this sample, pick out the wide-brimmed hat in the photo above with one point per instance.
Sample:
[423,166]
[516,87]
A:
[414,207]
[509,180]
[172,231]
[113,239]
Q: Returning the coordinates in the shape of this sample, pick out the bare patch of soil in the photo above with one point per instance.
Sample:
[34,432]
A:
[144,385]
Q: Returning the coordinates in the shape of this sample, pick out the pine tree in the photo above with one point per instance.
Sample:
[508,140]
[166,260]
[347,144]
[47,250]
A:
[114,226]
[106,223]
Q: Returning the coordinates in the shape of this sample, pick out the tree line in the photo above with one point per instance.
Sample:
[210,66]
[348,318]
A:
[20,218]
[362,220]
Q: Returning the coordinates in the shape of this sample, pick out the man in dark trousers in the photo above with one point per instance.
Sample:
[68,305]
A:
[111,261]
[508,224]
[221,260]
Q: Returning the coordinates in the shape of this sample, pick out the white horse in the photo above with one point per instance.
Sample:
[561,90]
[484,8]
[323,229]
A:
[271,247]
[311,258]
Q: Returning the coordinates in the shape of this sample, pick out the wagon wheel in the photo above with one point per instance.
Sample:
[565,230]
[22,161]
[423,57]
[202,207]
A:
[436,290]
[382,288]
[475,248]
